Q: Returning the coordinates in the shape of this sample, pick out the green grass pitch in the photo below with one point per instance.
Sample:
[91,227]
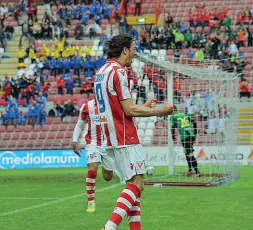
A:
[55,199]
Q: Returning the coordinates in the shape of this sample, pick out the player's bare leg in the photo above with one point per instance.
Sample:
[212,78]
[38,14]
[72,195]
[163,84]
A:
[107,175]
[91,186]
[128,203]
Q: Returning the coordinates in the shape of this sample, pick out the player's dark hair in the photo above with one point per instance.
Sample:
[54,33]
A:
[174,108]
[118,43]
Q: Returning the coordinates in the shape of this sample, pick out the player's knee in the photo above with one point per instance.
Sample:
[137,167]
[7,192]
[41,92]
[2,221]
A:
[107,175]
[137,180]
[93,167]
[92,174]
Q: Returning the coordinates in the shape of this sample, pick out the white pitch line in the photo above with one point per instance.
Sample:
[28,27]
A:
[54,201]
[28,198]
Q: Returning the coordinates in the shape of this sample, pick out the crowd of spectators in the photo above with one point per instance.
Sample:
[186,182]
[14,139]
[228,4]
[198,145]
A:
[209,34]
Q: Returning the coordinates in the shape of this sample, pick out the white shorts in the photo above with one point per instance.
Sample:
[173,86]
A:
[95,154]
[128,161]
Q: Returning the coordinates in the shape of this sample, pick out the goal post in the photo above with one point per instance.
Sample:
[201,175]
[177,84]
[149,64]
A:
[194,87]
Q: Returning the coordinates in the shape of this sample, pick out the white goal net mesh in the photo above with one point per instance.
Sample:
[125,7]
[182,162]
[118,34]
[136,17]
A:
[206,97]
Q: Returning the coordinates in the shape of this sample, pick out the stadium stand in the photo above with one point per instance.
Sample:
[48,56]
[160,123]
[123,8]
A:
[51,72]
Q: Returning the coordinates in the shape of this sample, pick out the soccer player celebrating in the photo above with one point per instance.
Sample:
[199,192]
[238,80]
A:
[121,141]
[95,154]
[187,133]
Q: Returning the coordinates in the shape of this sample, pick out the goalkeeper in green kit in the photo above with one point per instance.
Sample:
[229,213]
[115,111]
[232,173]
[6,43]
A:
[187,129]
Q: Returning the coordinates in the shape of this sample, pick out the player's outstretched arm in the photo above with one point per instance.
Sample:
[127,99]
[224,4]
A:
[133,110]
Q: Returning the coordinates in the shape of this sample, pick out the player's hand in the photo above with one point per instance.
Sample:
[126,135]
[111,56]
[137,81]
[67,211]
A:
[150,103]
[167,108]
[77,149]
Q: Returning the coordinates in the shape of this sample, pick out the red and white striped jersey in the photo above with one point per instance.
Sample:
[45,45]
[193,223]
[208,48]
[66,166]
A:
[111,87]
[89,113]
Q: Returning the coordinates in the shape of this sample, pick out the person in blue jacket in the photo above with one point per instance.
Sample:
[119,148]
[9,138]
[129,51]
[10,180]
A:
[42,115]
[11,115]
[107,12]
[32,114]
[69,85]
[21,118]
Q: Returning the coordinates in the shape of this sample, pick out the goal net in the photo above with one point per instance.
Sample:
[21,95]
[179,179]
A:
[206,96]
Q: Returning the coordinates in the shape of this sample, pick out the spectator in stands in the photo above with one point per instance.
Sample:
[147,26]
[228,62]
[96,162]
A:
[188,38]
[133,32]
[69,110]
[15,88]
[176,90]
[93,32]
[8,31]
[60,85]
[227,22]
[250,37]
[87,88]
[44,89]
[170,41]
[125,4]
[141,92]
[233,48]
[177,54]
[211,124]
[246,16]
[11,114]
[41,99]
[69,85]
[2,37]
[8,89]
[199,55]
[244,89]
[179,39]
[240,38]
[169,19]
[78,32]
[204,112]
[21,55]
[190,54]
[107,12]
[122,24]
[21,118]
[137,11]
[42,115]
[25,32]
[3,118]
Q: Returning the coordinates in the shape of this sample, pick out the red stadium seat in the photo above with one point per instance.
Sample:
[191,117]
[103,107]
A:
[6,137]
[60,136]
[12,144]
[10,128]
[24,136]
[34,136]
[54,128]
[51,135]
[29,143]
[19,128]
[71,127]
[42,136]
[45,128]
[36,128]
[28,128]
[38,144]
[69,135]
[63,127]
[49,121]
[15,136]
[57,120]
[2,128]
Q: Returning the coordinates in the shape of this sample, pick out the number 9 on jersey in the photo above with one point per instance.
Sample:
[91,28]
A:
[99,96]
